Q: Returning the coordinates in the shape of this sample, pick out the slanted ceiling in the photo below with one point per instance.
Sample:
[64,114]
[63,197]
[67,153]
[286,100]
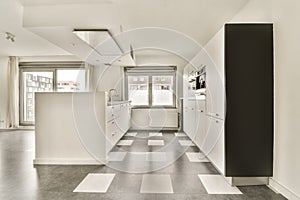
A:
[199,19]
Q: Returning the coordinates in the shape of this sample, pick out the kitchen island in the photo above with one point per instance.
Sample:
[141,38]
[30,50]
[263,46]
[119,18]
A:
[78,128]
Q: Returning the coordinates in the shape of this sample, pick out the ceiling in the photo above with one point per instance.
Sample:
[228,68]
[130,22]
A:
[198,19]
[55,2]
[27,43]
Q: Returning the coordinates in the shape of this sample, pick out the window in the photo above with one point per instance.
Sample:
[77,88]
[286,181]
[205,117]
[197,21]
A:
[70,80]
[34,82]
[138,90]
[162,91]
[149,87]
[47,79]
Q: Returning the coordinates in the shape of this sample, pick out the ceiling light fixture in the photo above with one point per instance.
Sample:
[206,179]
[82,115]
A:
[11,37]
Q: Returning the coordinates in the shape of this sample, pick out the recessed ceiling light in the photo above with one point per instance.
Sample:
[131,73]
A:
[73,44]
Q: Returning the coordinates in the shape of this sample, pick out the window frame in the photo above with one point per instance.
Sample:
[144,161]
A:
[150,74]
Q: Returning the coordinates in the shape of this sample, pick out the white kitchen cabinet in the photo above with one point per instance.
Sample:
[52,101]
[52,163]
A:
[191,118]
[200,122]
[123,121]
[112,112]
[185,99]
[193,108]
[213,142]
[118,123]
[203,117]
[215,92]
[112,134]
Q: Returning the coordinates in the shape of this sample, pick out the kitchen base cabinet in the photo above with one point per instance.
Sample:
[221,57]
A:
[200,122]
[213,143]
[118,123]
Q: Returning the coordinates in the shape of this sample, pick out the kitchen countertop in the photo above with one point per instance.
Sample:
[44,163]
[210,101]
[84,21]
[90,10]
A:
[117,103]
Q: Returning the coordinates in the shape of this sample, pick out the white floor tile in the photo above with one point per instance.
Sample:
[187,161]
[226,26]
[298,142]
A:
[186,143]
[196,157]
[132,134]
[156,143]
[216,184]
[156,184]
[137,156]
[156,156]
[125,142]
[154,134]
[95,183]
[180,134]
[116,156]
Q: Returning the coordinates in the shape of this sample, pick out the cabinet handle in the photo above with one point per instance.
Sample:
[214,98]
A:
[217,114]
[217,121]
[201,111]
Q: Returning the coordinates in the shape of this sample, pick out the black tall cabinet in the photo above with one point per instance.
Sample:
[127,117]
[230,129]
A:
[249,100]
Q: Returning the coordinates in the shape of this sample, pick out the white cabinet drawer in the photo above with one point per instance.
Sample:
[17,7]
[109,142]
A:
[111,129]
[113,112]
[113,134]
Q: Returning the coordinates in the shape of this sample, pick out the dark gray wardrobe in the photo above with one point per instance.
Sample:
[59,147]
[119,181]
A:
[249,100]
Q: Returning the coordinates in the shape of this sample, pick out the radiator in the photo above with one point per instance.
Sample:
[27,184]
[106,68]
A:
[163,118]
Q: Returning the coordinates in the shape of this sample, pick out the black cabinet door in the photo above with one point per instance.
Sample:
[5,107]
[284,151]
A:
[249,100]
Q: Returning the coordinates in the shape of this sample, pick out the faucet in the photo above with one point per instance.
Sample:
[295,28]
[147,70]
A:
[110,94]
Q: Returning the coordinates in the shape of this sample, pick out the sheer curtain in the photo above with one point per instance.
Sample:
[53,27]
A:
[13,93]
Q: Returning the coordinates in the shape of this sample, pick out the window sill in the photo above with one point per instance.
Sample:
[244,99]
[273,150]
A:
[154,107]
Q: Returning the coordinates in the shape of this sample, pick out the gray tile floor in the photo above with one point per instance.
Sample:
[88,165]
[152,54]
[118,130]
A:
[19,179]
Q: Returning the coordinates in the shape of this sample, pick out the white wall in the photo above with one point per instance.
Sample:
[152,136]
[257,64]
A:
[109,77]
[287,97]
[3,91]
[285,16]
[60,58]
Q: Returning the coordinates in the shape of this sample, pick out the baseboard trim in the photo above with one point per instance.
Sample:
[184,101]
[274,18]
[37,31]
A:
[247,181]
[154,129]
[45,161]
[279,188]
[18,129]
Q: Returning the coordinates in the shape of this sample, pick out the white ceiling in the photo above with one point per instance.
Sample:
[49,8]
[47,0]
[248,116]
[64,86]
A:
[199,19]
[27,43]
[55,2]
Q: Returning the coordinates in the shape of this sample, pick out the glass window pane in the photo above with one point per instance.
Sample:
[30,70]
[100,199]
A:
[138,90]
[162,90]
[34,82]
[71,80]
